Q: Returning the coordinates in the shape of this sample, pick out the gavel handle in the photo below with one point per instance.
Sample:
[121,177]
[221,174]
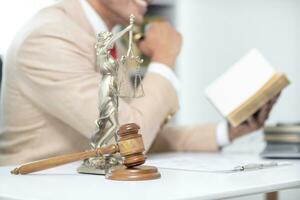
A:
[64,159]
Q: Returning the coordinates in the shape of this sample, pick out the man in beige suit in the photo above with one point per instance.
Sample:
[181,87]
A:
[49,94]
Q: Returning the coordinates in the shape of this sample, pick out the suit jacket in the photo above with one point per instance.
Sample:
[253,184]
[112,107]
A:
[49,94]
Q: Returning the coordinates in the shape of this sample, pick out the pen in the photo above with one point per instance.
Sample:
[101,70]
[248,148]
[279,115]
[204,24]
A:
[254,166]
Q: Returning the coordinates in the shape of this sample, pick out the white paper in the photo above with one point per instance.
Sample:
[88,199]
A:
[204,162]
[240,82]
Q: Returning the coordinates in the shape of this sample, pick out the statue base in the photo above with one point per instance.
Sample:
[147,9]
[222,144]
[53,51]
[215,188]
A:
[83,169]
[100,165]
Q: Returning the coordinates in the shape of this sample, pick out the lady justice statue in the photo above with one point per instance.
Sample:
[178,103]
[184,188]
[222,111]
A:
[109,93]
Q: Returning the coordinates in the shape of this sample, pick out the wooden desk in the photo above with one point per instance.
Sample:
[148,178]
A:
[64,183]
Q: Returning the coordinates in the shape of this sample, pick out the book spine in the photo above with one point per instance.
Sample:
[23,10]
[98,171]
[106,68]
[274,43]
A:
[282,139]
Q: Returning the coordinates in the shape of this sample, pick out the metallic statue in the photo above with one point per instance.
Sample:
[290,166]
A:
[107,122]
[109,93]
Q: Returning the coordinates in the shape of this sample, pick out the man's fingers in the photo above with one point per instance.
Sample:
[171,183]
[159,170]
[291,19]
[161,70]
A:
[275,99]
[144,48]
[271,103]
[142,44]
[270,106]
[266,109]
[252,123]
[263,114]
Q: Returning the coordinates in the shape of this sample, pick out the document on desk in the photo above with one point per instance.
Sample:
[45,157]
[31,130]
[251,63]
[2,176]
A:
[214,163]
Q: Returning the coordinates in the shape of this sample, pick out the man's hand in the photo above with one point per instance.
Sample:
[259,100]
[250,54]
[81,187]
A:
[254,123]
[162,43]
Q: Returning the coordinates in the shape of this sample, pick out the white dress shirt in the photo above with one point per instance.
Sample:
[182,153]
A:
[99,26]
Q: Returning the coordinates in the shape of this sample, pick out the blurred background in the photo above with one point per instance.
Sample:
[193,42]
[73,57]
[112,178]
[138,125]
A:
[216,34]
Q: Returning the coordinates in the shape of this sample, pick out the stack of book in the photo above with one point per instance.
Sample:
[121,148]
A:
[283,141]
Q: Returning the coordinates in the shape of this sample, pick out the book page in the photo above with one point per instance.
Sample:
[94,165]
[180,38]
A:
[240,82]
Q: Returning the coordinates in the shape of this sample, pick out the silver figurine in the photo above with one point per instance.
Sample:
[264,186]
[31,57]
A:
[109,92]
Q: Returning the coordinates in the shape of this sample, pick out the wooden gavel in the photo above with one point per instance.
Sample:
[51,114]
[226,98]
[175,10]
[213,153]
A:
[130,146]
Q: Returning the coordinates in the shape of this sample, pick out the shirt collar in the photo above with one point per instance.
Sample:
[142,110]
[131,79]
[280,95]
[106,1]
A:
[94,19]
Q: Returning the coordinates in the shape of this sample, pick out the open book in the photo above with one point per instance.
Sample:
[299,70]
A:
[245,87]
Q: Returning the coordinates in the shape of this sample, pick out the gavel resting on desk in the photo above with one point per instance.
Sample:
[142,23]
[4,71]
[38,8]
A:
[130,146]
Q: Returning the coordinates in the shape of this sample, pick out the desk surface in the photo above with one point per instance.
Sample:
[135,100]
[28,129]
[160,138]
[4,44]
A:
[64,183]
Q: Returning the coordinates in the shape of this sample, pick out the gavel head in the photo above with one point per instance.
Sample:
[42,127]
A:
[131,145]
